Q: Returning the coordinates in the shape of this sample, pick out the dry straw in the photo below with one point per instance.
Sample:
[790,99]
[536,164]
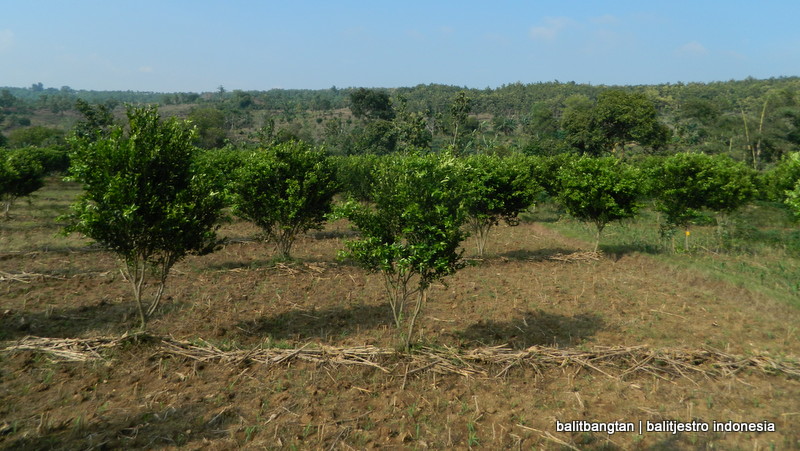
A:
[496,361]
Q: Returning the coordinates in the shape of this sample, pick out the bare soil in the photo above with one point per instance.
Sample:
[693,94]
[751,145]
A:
[242,297]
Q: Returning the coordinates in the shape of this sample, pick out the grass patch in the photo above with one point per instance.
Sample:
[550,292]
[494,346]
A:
[756,248]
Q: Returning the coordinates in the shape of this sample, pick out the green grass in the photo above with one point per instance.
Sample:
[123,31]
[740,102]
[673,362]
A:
[758,248]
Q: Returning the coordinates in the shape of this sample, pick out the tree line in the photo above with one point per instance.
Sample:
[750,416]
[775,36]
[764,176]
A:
[755,121]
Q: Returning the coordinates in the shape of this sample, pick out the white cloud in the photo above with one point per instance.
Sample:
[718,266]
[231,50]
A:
[693,48]
[146,69]
[550,29]
[6,40]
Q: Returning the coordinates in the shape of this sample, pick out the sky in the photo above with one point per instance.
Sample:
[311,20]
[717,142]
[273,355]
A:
[200,45]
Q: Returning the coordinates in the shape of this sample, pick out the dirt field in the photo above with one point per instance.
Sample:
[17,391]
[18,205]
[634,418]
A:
[140,394]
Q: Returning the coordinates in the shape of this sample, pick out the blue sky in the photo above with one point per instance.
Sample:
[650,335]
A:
[198,45]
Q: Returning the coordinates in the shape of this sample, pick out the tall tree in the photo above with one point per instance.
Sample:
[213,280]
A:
[459,115]
[628,117]
[371,104]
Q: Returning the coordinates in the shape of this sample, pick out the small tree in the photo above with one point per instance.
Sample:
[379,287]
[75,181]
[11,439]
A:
[793,199]
[285,190]
[21,174]
[411,232]
[497,189]
[599,190]
[686,183]
[142,200]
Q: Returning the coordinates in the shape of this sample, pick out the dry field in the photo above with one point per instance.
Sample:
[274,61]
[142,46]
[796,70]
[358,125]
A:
[251,352]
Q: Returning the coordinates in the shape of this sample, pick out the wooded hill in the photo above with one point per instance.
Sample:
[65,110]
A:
[757,121]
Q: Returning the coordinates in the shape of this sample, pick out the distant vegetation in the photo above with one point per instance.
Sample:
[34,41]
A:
[754,121]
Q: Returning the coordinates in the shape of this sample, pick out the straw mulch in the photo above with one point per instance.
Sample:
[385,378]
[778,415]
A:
[614,362]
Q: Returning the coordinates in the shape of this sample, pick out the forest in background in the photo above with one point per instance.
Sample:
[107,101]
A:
[755,121]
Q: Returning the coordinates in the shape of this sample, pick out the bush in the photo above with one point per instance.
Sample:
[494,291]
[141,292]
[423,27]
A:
[21,174]
[599,190]
[496,189]
[686,183]
[142,199]
[285,190]
[411,231]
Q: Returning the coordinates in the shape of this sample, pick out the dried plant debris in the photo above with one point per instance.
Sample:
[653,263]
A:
[495,361]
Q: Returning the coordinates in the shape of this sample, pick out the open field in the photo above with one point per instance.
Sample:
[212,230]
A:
[249,351]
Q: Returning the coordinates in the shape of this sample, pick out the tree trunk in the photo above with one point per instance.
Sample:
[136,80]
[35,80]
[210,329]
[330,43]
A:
[481,229]
[135,272]
[7,208]
[599,234]
[422,297]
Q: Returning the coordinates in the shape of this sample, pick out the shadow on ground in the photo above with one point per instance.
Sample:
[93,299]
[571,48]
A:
[531,329]
[148,429]
[325,324]
[105,316]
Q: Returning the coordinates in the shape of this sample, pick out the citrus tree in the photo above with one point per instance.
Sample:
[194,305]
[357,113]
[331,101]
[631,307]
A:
[599,191]
[496,189]
[411,230]
[686,183]
[142,200]
[21,174]
[793,199]
[286,190]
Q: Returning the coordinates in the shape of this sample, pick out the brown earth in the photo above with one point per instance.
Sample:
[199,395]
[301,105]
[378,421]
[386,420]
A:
[241,297]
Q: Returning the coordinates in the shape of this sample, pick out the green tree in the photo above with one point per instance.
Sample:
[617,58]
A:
[36,135]
[580,126]
[624,118]
[378,137]
[142,199]
[781,178]
[21,174]
[371,104]
[218,167]
[599,191]
[355,175]
[793,199]
[686,183]
[97,119]
[541,122]
[608,125]
[504,125]
[7,100]
[411,128]
[459,116]
[496,189]
[285,190]
[211,128]
[411,231]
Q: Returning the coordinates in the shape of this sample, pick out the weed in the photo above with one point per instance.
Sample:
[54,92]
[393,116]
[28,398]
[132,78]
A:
[249,432]
[472,435]
[412,409]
